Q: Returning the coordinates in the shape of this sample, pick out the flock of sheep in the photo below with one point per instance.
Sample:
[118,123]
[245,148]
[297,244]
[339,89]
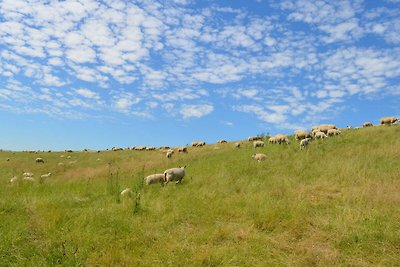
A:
[177,174]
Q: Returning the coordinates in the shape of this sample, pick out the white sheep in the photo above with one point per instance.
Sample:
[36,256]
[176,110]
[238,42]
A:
[182,150]
[44,176]
[222,141]
[29,179]
[169,154]
[304,143]
[254,138]
[258,144]
[174,174]
[388,120]
[282,138]
[333,132]
[39,160]
[154,178]
[259,156]
[27,174]
[126,192]
[367,124]
[272,140]
[301,134]
[320,135]
[14,179]
[237,145]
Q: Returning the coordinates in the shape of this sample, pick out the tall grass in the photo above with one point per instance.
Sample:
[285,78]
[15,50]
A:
[336,203]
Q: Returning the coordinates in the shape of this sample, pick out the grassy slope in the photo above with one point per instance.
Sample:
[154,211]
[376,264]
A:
[335,204]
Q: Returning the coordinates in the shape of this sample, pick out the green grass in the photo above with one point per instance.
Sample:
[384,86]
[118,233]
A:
[335,204]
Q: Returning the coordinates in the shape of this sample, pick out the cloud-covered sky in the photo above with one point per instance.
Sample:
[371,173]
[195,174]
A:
[86,73]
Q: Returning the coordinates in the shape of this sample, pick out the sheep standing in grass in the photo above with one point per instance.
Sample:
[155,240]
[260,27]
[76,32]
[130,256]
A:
[237,145]
[27,174]
[388,120]
[182,150]
[272,140]
[304,143]
[367,124]
[174,174]
[282,138]
[254,138]
[320,135]
[39,160]
[333,132]
[258,144]
[259,157]
[222,141]
[169,154]
[126,192]
[44,176]
[14,179]
[154,178]
[301,134]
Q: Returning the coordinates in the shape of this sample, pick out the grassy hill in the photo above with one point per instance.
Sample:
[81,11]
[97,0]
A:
[336,203]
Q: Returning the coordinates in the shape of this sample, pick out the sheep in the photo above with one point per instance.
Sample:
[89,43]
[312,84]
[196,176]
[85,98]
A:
[174,174]
[198,143]
[8,159]
[29,179]
[324,127]
[47,175]
[333,132]
[272,140]
[14,179]
[367,124]
[254,138]
[27,174]
[39,160]
[258,144]
[282,138]
[320,135]
[69,157]
[259,156]
[154,178]
[182,149]
[304,143]
[237,145]
[126,192]
[388,120]
[222,141]
[169,154]
[301,134]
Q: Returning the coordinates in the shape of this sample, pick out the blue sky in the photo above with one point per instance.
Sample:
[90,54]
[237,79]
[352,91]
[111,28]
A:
[96,74]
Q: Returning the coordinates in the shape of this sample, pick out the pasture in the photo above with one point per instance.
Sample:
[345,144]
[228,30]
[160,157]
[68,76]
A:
[335,203]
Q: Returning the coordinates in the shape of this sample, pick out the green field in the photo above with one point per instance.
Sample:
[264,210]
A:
[335,204]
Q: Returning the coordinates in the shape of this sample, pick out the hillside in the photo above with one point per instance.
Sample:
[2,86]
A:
[336,203]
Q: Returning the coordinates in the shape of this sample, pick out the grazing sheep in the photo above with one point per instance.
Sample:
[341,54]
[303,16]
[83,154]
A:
[254,138]
[273,140]
[174,174]
[282,138]
[27,174]
[29,179]
[126,192]
[304,143]
[68,157]
[258,144]
[324,127]
[367,124]
[60,164]
[169,154]
[222,141]
[154,178]
[301,134]
[47,175]
[182,149]
[150,148]
[388,120]
[320,135]
[14,180]
[237,145]
[259,156]
[333,132]
[39,160]
[198,143]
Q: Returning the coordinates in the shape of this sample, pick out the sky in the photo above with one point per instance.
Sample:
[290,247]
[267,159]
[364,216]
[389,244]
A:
[92,74]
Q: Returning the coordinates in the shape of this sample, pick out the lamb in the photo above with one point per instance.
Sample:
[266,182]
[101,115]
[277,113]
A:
[254,138]
[182,150]
[169,154]
[154,178]
[320,135]
[388,120]
[333,132]
[259,156]
[258,144]
[272,140]
[301,134]
[39,160]
[126,192]
[174,174]
[282,138]
[304,143]
[367,124]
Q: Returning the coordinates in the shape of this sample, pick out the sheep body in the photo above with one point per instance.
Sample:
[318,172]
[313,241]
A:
[272,140]
[174,174]
[254,138]
[320,135]
[304,143]
[367,124]
[259,156]
[126,192]
[301,134]
[169,154]
[237,145]
[198,143]
[388,120]
[154,178]
[39,160]
[47,175]
[258,144]
[282,138]
[222,141]
[333,132]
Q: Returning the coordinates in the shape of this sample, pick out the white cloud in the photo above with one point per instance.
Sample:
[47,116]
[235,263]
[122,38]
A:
[197,111]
